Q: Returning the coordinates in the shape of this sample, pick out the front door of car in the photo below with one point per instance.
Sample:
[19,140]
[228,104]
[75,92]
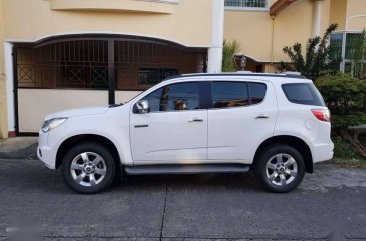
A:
[174,129]
[242,116]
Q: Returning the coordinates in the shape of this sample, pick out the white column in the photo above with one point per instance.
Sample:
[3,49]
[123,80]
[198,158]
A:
[9,72]
[317,17]
[217,37]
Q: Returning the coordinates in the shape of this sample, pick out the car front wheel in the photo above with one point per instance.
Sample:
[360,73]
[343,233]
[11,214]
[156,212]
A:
[280,168]
[88,168]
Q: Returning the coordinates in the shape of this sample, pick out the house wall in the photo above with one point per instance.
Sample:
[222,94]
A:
[77,17]
[356,8]
[263,37]
[186,22]
[338,9]
[3,108]
[31,118]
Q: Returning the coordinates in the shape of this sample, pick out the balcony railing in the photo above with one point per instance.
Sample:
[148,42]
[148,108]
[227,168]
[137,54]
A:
[247,4]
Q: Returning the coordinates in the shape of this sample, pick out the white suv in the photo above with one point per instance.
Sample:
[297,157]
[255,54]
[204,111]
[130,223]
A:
[276,125]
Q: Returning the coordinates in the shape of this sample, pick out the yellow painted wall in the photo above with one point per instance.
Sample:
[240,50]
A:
[326,13]
[3,108]
[293,24]
[338,9]
[356,7]
[189,23]
[263,38]
[253,30]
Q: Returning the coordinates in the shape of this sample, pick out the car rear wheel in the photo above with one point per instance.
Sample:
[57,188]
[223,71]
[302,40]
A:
[88,168]
[280,168]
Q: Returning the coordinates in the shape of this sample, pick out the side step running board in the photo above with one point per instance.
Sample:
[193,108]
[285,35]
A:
[186,169]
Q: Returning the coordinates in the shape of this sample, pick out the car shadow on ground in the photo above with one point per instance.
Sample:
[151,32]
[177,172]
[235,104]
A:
[245,181]
[37,178]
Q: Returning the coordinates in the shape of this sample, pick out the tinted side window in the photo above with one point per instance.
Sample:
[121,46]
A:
[154,100]
[229,94]
[257,91]
[303,93]
[174,97]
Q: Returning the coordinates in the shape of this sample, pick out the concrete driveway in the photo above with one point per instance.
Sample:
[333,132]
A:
[329,205]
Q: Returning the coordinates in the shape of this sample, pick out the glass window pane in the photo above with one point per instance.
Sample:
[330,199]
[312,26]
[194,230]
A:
[229,94]
[336,50]
[351,44]
[348,68]
[257,91]
[154,100]
[182,96]
[303,93]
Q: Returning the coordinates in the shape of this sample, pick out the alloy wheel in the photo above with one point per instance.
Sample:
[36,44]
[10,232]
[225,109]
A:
[88,169]
[281,169]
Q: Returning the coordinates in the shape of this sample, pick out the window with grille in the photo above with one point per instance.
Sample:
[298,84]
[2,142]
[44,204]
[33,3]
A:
[247,3]
[346,54]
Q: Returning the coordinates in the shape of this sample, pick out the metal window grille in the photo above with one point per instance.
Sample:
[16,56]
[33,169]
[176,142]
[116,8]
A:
[247,3]
[134,64]
[67,64]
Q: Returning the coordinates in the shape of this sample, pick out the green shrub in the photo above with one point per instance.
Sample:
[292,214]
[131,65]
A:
[230,49]
[343,149]
[345,96]
[315,60]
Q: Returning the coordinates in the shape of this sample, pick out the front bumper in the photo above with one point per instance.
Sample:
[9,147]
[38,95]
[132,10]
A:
[45,153]
[47,156]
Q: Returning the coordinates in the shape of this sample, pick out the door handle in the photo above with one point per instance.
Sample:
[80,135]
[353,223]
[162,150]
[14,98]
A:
[195,120]
[262,116]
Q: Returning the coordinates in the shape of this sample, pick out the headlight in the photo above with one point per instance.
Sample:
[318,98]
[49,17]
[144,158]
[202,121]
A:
[52,124]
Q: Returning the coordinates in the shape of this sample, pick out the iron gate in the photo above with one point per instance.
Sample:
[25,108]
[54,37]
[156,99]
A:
[96,63]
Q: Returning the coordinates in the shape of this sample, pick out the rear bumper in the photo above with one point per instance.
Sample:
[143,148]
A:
[323,152]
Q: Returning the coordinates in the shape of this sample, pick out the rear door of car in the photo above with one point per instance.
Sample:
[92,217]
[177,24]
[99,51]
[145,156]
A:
[242,115]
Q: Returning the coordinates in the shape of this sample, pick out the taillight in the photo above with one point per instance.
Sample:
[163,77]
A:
[322,115]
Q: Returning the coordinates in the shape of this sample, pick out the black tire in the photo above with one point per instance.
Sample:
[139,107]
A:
[108,165]
[284,152]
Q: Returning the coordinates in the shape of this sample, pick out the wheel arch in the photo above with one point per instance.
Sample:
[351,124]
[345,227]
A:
[292,141]
[73,140]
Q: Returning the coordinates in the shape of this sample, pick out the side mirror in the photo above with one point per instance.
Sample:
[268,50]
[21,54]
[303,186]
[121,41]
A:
[142,106]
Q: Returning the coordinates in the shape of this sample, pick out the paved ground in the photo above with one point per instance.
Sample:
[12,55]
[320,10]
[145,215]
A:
[19,148]
[330,204]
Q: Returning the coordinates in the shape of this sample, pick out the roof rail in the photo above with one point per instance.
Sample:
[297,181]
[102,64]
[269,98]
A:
[291,73]
[294,75]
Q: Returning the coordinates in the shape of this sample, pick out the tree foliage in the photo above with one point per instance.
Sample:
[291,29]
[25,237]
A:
[345,96]
[230,49]
[315,61]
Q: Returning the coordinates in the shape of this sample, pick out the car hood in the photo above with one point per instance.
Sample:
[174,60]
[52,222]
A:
[77,112]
